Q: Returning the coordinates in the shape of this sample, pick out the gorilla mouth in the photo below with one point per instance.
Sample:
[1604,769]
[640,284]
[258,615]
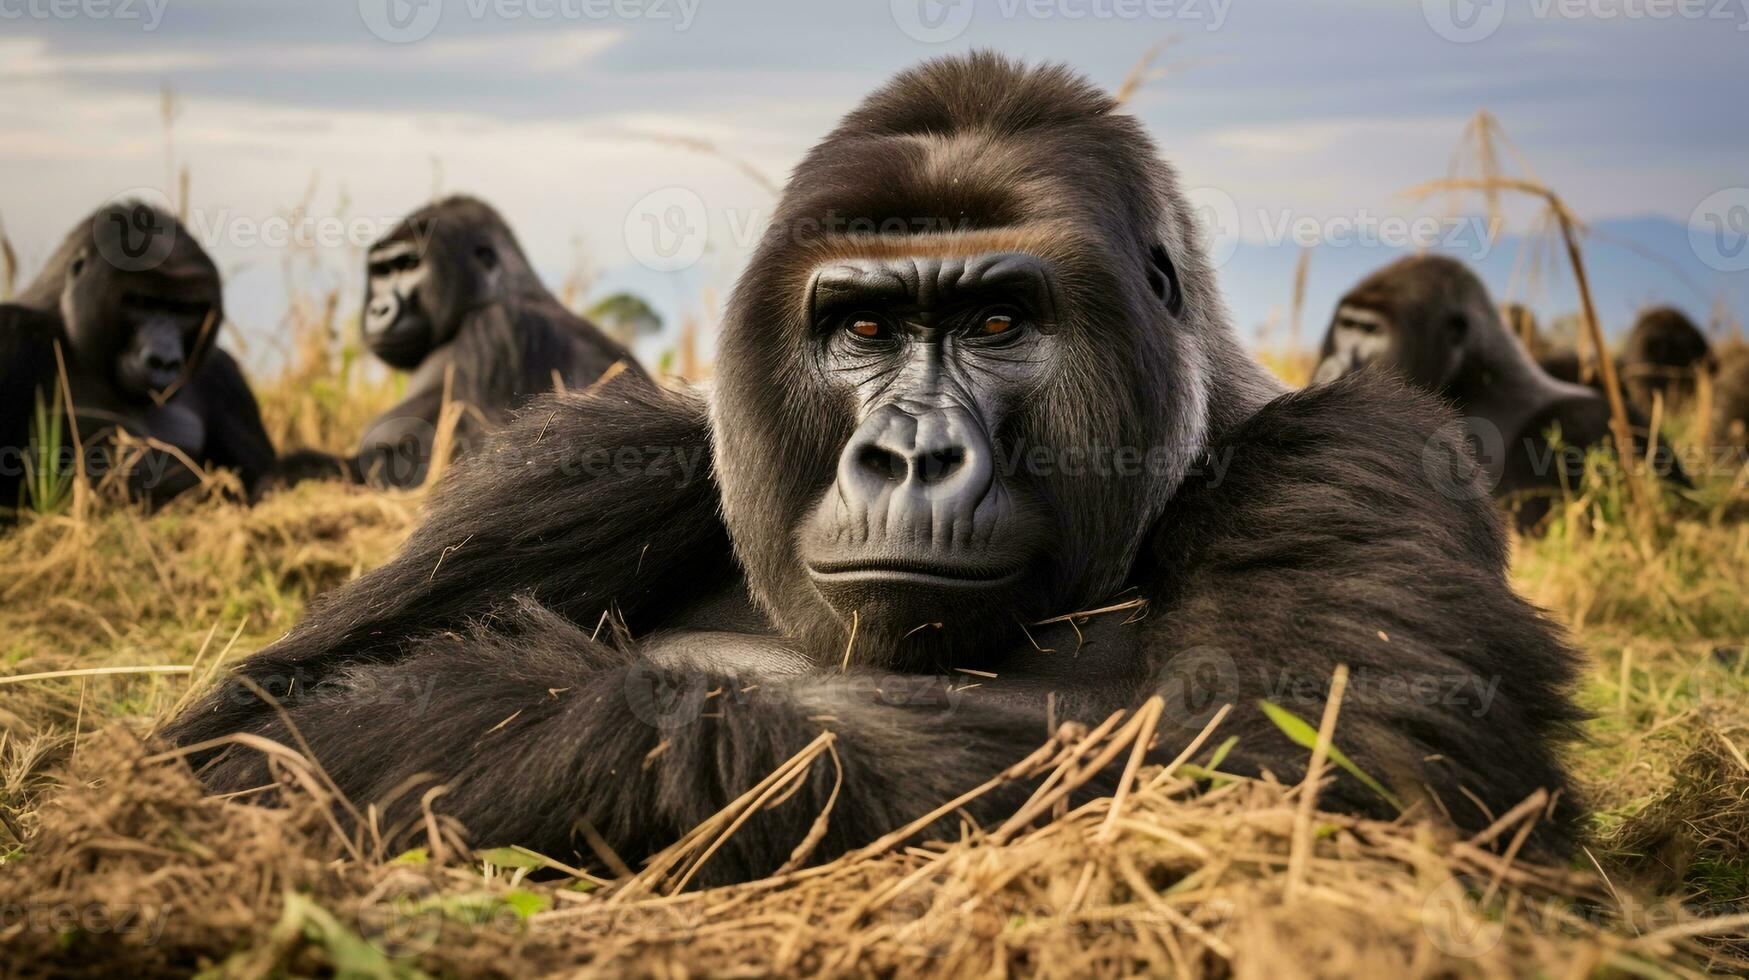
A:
[914,571]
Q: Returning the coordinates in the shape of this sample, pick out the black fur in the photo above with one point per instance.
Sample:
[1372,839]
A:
[479,325]
[88,299]
[630,645]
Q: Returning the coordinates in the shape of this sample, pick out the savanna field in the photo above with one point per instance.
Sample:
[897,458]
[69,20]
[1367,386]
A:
[115,864]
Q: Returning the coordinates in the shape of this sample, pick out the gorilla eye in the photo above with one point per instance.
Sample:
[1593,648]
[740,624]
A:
[866,326]
[78,265]
[996,323]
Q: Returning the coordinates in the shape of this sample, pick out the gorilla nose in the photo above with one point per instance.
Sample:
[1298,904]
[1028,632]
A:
[161,364]
[380,312]
[932,459]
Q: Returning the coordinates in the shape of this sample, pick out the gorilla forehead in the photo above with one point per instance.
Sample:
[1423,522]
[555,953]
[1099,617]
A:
[1030,145]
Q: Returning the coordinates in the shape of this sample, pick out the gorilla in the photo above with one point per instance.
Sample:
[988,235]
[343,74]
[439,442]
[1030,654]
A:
[1430,320]
[1661,356]
[452,299]
[135,305]
[975,388]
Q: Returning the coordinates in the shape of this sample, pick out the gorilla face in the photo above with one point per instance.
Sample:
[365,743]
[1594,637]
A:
[935,354]
[152,322]
[422,281]
[1358,337]
[164,333]
[1412,317]
[952,401]
[396,326]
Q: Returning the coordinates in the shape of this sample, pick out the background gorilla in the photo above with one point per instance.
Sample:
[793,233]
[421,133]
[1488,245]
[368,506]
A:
[452,298]
[1661,355]
[135,304]
[1429,319]
[977,374]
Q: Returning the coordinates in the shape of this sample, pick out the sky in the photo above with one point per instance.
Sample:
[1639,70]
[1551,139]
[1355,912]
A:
[635,144]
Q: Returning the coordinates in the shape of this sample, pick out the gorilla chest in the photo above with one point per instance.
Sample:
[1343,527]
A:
[179,425]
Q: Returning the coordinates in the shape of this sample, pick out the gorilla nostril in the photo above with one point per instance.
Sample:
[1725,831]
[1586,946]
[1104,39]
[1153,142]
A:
[887,465]
[157,363]
[939,464]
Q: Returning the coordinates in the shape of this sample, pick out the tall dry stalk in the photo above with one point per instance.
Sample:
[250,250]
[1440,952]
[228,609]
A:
[1301,267]
[170,107]
[8,265]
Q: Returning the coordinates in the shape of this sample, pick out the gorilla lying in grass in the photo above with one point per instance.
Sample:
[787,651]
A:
[978,375]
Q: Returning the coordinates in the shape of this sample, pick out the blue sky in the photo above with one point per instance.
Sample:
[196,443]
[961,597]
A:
[569,115]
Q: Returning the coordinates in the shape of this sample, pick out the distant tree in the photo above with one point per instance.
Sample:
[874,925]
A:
[625,317]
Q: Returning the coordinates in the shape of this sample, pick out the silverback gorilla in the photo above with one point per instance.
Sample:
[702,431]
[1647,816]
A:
[1431,321]
[1026,403]
[134,303]
[452,299]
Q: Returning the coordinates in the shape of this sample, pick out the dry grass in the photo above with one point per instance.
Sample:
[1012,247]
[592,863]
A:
[148,878]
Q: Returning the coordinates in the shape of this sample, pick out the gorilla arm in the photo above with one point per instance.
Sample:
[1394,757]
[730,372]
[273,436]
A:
[534,516]
[236,437]
[535,728]
[1323,543]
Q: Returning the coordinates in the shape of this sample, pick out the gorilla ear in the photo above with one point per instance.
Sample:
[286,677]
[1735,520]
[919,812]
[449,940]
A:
[1163,279]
